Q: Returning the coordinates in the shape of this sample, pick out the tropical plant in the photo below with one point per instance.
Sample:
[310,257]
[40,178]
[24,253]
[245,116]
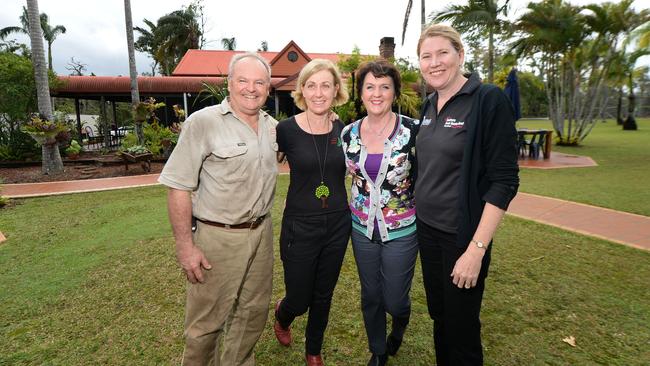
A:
[153,133]
[146,43]
[229,44]
[574,49]
[74,148]
[49,33]
[172,36]
[479,18]
[51,158]
[409,102]
[642,35]
[212,91]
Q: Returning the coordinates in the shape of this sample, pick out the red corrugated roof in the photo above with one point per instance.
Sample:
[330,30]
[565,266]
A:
[146,84]
[215,62]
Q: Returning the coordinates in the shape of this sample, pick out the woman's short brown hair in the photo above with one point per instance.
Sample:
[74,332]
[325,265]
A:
[379,69]
[441,30]
[314,66]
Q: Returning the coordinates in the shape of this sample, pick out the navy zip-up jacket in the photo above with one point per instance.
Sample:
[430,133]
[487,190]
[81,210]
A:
[489,170]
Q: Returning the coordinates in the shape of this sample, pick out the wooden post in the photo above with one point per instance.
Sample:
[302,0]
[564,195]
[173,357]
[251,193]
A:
[78,112]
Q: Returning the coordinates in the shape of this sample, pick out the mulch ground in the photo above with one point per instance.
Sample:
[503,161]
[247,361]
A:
[87,167]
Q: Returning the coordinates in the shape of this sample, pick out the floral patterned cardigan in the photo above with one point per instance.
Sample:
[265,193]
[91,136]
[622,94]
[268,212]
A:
[389,200]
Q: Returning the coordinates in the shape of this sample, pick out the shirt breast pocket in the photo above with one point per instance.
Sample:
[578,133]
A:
[229,163]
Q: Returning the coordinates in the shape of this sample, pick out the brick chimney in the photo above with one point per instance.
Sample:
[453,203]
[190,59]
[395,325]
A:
[387,47]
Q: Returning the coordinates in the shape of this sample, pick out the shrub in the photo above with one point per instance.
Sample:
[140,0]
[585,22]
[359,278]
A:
[74,148]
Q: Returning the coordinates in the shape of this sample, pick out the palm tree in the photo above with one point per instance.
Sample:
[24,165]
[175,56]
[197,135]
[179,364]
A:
[551,32]
[176,33]
[642,35]
[171,36]
[49,33]
[622,74]
[407,15]
[52,162]
[147,42]
[229,44]
[133,73]
[479,17]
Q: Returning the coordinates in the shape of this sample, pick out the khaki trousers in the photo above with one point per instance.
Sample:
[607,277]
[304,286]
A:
[233,301]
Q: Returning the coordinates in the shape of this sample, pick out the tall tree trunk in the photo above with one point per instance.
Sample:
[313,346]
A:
[49,56]
[619,107]
[423,23]
[52,163]
[630,121]
[133,73]
[491,56]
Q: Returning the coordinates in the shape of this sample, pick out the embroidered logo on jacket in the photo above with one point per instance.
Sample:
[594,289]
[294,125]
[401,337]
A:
[452,123]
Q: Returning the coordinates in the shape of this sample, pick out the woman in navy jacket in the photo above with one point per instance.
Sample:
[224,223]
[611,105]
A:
[467,176]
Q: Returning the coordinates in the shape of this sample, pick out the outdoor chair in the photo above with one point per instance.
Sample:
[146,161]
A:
[92,138]
[521,144]
[536,144]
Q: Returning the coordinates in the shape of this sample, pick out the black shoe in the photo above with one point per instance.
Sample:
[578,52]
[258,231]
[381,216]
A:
[378,360]
[392,344]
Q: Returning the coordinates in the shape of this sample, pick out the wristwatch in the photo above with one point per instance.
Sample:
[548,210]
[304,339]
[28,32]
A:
[479,244]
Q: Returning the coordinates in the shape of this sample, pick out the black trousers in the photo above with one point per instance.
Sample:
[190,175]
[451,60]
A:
[455,311]
[312,250]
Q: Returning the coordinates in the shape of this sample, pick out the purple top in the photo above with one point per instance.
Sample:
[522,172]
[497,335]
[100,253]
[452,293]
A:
[373,163]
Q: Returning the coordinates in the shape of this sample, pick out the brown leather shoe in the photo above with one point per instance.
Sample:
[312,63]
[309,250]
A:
[314,360]
[282,335]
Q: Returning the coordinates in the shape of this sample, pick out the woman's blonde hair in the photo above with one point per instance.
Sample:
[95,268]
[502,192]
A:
[441,30]
[310,69]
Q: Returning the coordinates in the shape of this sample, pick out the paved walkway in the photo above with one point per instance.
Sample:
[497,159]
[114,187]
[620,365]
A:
[620,227]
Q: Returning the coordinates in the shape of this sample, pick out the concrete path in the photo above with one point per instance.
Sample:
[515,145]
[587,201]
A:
[616,226]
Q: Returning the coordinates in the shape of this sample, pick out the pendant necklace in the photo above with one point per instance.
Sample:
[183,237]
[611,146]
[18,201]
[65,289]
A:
[378,134]
[322,191]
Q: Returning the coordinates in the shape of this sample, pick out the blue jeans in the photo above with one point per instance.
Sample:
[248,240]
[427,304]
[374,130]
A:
[385,271]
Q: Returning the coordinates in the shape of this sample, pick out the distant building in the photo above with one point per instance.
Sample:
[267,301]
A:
[196,67]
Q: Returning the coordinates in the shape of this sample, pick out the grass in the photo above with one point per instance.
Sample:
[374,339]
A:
[91,279]
[620,181]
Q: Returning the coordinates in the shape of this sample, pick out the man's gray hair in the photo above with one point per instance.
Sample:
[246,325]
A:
[240,56]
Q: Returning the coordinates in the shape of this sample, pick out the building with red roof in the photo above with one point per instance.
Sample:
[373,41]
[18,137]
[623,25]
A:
[198,67]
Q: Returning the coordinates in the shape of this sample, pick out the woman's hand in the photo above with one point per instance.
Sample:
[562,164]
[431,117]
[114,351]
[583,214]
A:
[467,267]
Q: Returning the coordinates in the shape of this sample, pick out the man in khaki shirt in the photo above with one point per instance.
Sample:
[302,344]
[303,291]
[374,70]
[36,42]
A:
[223,172]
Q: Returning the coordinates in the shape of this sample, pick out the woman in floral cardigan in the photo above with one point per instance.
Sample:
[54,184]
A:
[379,154]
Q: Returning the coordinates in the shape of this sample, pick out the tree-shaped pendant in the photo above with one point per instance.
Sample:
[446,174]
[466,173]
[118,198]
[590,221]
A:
[322,192]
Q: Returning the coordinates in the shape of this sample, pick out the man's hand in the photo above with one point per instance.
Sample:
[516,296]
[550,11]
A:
[192,260]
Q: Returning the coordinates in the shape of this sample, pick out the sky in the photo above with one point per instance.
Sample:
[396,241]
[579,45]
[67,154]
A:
[96,34]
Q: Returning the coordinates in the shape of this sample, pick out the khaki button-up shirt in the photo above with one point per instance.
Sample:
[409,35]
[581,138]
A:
[230,169]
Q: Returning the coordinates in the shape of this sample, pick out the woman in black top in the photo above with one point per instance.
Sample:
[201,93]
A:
[467,175]
[316,222]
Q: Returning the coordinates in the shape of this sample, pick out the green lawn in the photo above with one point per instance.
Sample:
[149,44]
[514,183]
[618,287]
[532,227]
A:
[91,279]
[620,181]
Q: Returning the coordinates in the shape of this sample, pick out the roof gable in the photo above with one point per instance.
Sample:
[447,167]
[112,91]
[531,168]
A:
[289,61]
